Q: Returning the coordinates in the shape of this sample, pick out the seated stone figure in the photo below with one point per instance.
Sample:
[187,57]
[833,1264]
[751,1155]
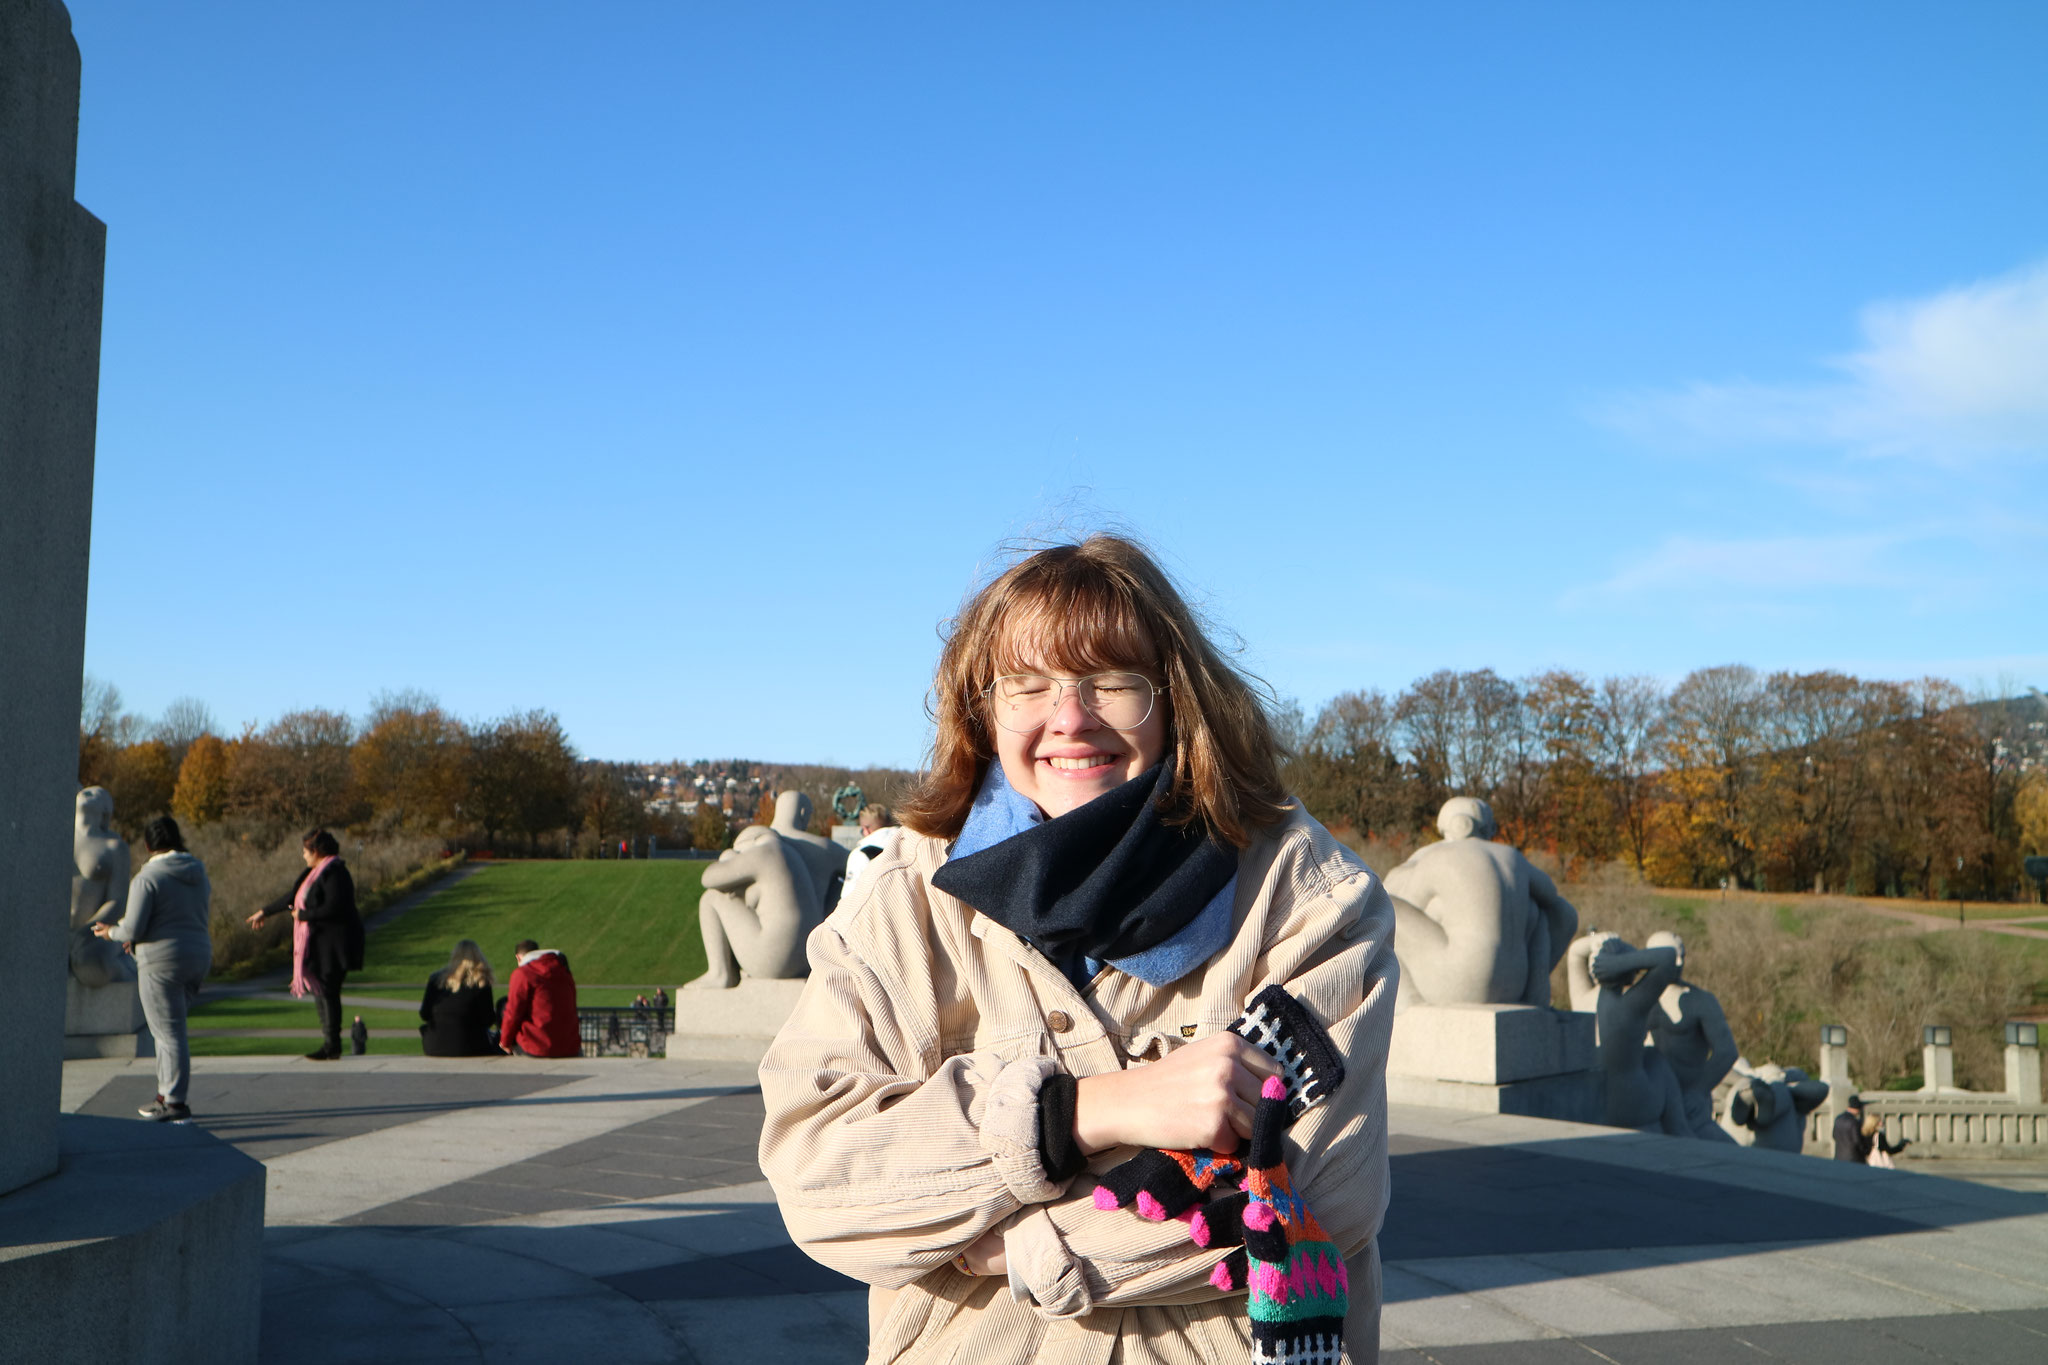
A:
[1475,922]
[1770,1103]
[1642,1092]
[99,891]
[1690,1031]
[761,901]
[825,860]
[1578,971]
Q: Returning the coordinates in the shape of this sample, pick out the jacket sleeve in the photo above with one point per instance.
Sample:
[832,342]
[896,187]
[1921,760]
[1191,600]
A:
[333,897]
[518,1004]
[1071,1257]
[141,909]
[283,904]
[888,1160]
[427,1000]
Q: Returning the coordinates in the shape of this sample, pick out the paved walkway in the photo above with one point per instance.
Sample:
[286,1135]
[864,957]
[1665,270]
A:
[505,1210]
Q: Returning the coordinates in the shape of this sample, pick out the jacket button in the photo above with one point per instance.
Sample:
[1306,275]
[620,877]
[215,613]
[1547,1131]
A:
[1060,1021]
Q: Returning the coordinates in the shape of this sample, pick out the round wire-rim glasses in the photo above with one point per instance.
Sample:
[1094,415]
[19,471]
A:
[1023,702]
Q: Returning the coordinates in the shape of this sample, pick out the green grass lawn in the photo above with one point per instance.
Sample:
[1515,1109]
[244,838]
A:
[241,1012]
[384,1045]
[618,923]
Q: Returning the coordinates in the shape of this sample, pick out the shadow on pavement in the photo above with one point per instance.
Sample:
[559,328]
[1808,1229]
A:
[1451,1199]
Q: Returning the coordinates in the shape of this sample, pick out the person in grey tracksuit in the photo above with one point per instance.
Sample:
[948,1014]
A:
[166,921]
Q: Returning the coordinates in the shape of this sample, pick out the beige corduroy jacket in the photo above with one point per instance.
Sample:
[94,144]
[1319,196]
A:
[902,1112]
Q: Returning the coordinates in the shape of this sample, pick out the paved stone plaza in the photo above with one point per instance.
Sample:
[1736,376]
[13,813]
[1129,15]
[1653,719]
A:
[504,1211]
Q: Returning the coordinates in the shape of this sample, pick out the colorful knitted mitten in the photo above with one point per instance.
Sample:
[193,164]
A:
[1163,1184]
[1278,1026]
[1166,1184]
[1299,1287]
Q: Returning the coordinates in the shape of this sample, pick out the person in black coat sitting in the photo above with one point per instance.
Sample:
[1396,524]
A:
[327,934]
[457,1008]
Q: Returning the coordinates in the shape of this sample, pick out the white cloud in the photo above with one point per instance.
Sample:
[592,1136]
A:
[1773,565]
[1948,378]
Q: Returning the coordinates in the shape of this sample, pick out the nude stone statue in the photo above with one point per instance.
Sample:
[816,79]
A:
[825,860]
[762,898]
[1475,922]
[1642,1091]
[99,891]
[1771,1104]
[1691,1033]
[1578,971]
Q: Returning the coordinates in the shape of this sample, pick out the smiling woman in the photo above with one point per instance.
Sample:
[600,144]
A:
[1102,894]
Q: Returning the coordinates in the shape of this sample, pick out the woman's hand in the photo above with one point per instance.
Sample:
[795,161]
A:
[256,920]
[986,1255]
[1202,1095]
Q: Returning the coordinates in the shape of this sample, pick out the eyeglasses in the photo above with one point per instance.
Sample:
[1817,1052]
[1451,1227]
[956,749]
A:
[1022,702]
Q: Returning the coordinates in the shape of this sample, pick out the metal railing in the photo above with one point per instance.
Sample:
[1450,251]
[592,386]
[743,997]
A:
[624,1030]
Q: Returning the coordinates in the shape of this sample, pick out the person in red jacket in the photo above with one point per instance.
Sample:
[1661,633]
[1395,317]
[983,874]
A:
[540,1005]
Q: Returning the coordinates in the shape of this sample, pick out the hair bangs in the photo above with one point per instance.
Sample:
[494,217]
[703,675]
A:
[1075,623]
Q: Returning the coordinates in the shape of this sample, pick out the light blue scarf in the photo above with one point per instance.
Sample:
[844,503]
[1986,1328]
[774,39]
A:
[1000,811]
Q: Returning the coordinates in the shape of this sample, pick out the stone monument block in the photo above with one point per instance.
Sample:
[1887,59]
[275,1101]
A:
[1502,1059]
[52,260]
[735,1024]
[119,1240]
[104,1021]
[1490,1044]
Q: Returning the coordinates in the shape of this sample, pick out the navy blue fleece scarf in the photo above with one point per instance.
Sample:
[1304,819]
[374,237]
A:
[1107,882]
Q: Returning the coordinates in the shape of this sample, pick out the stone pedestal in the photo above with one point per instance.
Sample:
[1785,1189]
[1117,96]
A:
[2023,1073]
[735,1025]
[1834,1069]
[1937,1068]
[104,1021]
[1496,1059]
[146,1246]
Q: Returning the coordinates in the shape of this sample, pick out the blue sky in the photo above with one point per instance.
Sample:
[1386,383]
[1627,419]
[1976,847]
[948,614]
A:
[678,366]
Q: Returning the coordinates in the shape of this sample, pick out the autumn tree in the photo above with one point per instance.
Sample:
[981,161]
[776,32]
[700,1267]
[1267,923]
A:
[523,777]
[296,771]
[182,723]
[612,810]
[408,763]
[1713,737]
[1627,719]
[201,795]
[144,776]
[1571,805]
[709,829]
[1345,769]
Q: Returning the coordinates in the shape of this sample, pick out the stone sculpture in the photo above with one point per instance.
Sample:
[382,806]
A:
[1642,1091]
[825,859]
[1690,1031]
[1475,922]
[763,897]
[1578,972]
[99,891]
[1769,1105]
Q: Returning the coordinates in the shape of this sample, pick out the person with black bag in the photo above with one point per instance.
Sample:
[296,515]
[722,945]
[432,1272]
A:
[327,934]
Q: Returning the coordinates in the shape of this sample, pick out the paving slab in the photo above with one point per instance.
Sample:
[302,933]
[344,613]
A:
[472,1210]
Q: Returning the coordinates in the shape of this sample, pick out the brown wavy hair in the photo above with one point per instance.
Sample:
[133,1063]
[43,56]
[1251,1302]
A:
[1102,604]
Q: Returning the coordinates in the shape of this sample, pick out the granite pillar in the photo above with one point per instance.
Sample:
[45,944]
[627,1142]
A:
[120,1240]
[52,254]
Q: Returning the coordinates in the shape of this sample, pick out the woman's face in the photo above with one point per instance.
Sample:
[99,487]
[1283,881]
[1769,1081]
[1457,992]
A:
[1074,758]
[309,855]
